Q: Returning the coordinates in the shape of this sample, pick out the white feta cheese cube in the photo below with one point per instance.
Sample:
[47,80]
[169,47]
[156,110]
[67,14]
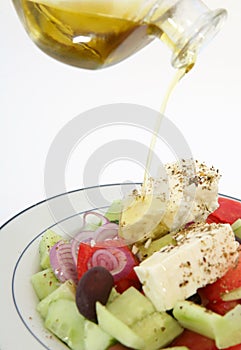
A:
[203,254]
[186,191]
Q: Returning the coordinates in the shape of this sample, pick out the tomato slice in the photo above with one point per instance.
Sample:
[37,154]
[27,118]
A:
[131,280]
[222,307]
[230,281]
[84,254]
[228,212]
[235,347]
[194,341]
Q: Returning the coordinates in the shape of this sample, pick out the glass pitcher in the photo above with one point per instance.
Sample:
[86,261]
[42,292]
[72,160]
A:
[98,33]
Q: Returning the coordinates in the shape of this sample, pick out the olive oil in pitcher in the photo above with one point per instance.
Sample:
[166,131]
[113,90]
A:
[98,33]
[87,40]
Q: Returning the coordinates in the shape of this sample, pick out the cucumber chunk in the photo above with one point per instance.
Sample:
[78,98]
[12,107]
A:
[130,306]
[64,291]
[236,226]
[44,283]
[196,318]
[157,330]
[133,321]
[65,321]
[225,330]
[49,239]
[117,329]
[113,295]
[114,211]
[228,332]
[146,251]
[95,338]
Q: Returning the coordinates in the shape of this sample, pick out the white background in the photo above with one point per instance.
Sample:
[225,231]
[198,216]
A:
[39,95]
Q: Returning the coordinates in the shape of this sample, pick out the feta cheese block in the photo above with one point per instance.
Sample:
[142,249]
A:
[186,191]
[203,254]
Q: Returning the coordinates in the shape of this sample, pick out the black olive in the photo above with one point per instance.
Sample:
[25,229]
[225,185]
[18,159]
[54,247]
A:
[95,285]
[195,299]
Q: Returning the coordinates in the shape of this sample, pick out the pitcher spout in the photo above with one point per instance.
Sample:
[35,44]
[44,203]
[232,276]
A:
[186,27]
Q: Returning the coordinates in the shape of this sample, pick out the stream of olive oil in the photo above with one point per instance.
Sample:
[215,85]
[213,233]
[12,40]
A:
[177,77]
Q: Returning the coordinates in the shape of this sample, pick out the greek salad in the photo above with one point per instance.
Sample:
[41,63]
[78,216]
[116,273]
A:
[178,289]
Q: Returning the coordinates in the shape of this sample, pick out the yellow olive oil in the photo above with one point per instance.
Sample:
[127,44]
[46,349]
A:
[177,77]
[84,39]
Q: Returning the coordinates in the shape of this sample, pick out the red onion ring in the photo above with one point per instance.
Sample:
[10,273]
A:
[104,258]
[102,218]
[62,263]
[118,260]
[106,231]
[83,236]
